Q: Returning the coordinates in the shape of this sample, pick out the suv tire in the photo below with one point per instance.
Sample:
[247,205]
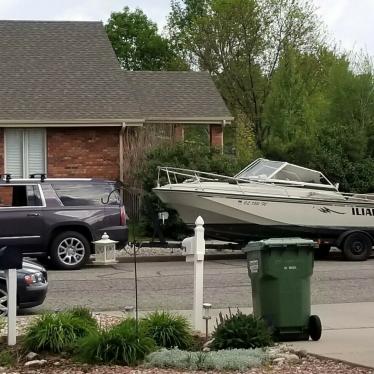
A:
[70,250]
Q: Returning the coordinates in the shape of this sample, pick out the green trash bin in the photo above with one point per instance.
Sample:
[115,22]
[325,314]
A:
[280,271]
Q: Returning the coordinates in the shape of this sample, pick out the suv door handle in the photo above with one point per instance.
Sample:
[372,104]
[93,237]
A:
[33,214]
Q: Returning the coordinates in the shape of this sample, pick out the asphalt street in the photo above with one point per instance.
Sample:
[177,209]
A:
[169,285]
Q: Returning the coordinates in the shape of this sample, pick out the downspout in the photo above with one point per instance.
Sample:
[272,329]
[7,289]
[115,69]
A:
[121,149]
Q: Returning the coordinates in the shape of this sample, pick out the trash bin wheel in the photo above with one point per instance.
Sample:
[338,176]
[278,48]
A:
[315,328]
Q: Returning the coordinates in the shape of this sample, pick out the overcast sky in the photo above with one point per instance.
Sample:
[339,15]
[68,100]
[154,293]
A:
[348,21]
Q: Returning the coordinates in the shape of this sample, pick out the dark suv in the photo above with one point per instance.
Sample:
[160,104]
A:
[59,219]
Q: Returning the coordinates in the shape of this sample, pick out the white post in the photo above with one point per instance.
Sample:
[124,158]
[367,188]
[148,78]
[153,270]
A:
[11,278]
[199,252]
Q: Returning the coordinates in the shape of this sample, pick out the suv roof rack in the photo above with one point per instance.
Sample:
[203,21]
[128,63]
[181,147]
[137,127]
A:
[42,176]
[7,176]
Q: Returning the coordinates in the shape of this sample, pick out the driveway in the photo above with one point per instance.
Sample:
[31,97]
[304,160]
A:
[169,285]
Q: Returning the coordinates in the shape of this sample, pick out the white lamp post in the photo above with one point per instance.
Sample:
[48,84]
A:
[105,250]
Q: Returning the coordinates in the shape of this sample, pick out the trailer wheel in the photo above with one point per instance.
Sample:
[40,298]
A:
[357,247]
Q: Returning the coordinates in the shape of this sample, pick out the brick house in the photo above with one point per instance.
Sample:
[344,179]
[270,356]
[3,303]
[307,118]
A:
[65,102]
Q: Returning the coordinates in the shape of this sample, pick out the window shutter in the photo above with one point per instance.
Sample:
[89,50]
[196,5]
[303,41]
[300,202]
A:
[14,152]
[35,151]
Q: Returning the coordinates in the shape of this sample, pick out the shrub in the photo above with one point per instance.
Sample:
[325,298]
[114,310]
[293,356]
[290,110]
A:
[182,155]
[121,345]
[168,330]
[56,332]
[240,331]
[233,359]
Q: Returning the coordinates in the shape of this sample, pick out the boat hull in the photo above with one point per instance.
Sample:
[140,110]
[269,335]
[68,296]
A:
[241,218]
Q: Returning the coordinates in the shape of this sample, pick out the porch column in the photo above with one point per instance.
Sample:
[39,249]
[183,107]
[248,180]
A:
[178,133]
[216,136]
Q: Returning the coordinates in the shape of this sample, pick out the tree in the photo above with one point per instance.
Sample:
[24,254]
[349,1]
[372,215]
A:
[138,45]
[240,43]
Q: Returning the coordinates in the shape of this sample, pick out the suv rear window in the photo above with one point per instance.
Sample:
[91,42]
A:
[86,194]
[20,195]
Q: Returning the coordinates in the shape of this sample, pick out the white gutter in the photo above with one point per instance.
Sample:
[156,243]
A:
[72,123]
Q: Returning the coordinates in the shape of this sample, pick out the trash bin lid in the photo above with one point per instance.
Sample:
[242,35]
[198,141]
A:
[278,242]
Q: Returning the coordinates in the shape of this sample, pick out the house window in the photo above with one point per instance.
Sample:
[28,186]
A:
[25,152]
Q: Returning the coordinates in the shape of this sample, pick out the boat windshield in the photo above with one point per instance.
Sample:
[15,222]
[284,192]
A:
[262,169]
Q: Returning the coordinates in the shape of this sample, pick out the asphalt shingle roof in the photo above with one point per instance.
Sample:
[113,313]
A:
[177,94]
[67,71]
[61,71]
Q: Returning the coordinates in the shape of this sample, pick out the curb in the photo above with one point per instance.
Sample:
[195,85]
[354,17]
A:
[175,258]
[349,363]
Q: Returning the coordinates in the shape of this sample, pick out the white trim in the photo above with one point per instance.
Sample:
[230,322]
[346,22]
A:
[20,237]
[189,120]
[72,123]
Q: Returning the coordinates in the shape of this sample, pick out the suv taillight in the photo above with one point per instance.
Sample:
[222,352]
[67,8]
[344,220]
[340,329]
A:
[122,218]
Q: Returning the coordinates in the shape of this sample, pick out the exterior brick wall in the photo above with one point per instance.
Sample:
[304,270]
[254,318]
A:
[83,152]
[216,136]
[2,151]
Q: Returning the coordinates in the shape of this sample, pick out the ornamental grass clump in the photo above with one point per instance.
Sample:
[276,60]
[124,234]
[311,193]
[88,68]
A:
[122,344]
[240,331]
[168,330]
[233,359]
[84,314]
[56,332]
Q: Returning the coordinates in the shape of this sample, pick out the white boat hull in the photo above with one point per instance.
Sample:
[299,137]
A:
[246,217]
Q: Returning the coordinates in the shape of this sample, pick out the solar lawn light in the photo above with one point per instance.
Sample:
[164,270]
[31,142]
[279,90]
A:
[207,308]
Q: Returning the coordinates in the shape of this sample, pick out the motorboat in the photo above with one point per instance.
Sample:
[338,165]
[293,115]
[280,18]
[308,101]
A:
[266,199]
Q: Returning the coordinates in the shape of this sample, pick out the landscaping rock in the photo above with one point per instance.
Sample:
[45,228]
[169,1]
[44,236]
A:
[291,357]
[279,361]
[208,343]
[31,356]
[35,363]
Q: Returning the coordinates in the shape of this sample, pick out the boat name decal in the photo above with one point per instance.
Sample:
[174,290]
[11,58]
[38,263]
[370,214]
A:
[328,210]
[363,211]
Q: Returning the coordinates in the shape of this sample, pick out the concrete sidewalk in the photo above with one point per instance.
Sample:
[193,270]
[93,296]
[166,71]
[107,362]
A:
[348,331]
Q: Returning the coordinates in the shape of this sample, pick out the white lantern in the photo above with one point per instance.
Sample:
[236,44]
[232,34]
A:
[105,250]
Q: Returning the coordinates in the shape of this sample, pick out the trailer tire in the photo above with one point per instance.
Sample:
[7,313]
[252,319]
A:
[357,247]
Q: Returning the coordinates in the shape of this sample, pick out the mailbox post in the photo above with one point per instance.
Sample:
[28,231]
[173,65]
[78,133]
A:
[10,261]
[195,250]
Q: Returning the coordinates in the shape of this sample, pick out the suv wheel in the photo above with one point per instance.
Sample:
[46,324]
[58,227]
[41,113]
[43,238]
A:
[70,250]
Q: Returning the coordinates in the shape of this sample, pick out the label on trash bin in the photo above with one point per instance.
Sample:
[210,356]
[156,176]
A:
[253,266]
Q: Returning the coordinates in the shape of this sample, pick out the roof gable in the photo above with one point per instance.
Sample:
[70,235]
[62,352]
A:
[61,71]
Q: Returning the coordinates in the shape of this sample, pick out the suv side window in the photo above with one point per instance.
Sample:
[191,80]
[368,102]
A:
[86,194]
[20,196]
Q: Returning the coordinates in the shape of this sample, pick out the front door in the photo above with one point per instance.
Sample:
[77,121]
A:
[21,217]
